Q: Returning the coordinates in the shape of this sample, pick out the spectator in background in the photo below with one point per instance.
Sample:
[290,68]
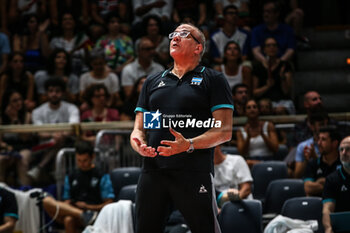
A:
[73,41]
[142,66]
[229,32]
[308,149]
[232,178]
[274,81]
[240,95]
[143,8]
[79,8]
[100,74]
[33,43]
[234,71]
[319,168]
[257,140]
[14,147]
[100,9]
[265,107]
[302,131]
[86,191]
[336,190]
[127,111]
[295,17]
[193,8]
[17,78]
[96,95]
[312,103]
[58,66]
[52,112]
[241,5]
[8,211]
[282,33]
[5,50]
[3,16]
[118,47]
[19,9]
[152,28]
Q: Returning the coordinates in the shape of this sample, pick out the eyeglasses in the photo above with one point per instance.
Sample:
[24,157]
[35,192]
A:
[346,149]
[182,34]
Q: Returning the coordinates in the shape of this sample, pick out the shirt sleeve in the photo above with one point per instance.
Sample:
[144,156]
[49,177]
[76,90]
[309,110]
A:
[299,154]
[106,187]
[115,83]
[255,38]
[66,189]
[74,116]
[243,172]
[10,204]
[220,93]
[5,44]
[126,76]
[73,84]
[142,104]
[330,189]
[309,174]
[36,119]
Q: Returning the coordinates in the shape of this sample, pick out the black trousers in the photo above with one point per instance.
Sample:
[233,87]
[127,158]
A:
[192,193]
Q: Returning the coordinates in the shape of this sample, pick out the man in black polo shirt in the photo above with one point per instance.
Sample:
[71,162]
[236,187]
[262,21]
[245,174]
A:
[8,211]
[318,169]
[336,193]
[181,115]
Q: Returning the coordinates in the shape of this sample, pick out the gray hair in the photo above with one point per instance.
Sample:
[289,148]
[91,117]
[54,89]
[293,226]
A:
[201,37]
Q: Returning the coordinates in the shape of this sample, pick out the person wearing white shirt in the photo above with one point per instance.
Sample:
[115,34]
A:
[232,177]
[142,66]
[52,112]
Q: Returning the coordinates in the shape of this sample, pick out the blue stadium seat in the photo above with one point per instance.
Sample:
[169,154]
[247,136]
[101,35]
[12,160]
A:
[304,208]
[241,216]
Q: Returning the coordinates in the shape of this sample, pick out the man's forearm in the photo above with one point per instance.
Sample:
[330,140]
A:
[288,55]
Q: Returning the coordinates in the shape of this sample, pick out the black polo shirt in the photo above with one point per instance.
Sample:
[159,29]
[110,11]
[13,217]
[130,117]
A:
[8,205]
[337,190]
[316,168]
[186,105]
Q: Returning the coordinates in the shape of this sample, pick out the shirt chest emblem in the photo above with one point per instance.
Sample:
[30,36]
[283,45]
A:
[319,171]
[94,182]
[161,83]
[344,188]
[196,81]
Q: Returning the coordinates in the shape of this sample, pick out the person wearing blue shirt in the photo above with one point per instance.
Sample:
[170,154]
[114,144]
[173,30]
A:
[283,34]
[5,50]
[308,149]
[86,188]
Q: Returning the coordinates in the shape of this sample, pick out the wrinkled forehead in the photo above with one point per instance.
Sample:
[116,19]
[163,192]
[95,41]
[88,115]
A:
[345,142]
[185,27]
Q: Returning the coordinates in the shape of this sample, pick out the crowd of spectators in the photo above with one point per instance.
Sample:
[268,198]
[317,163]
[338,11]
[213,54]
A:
[86,61]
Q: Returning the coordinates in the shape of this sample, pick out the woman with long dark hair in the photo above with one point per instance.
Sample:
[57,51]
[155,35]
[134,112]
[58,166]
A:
[257,139]
[117,46]
[96,95]
[33,43]
[233,68]
[58,66]
[14,147]
[18,78]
